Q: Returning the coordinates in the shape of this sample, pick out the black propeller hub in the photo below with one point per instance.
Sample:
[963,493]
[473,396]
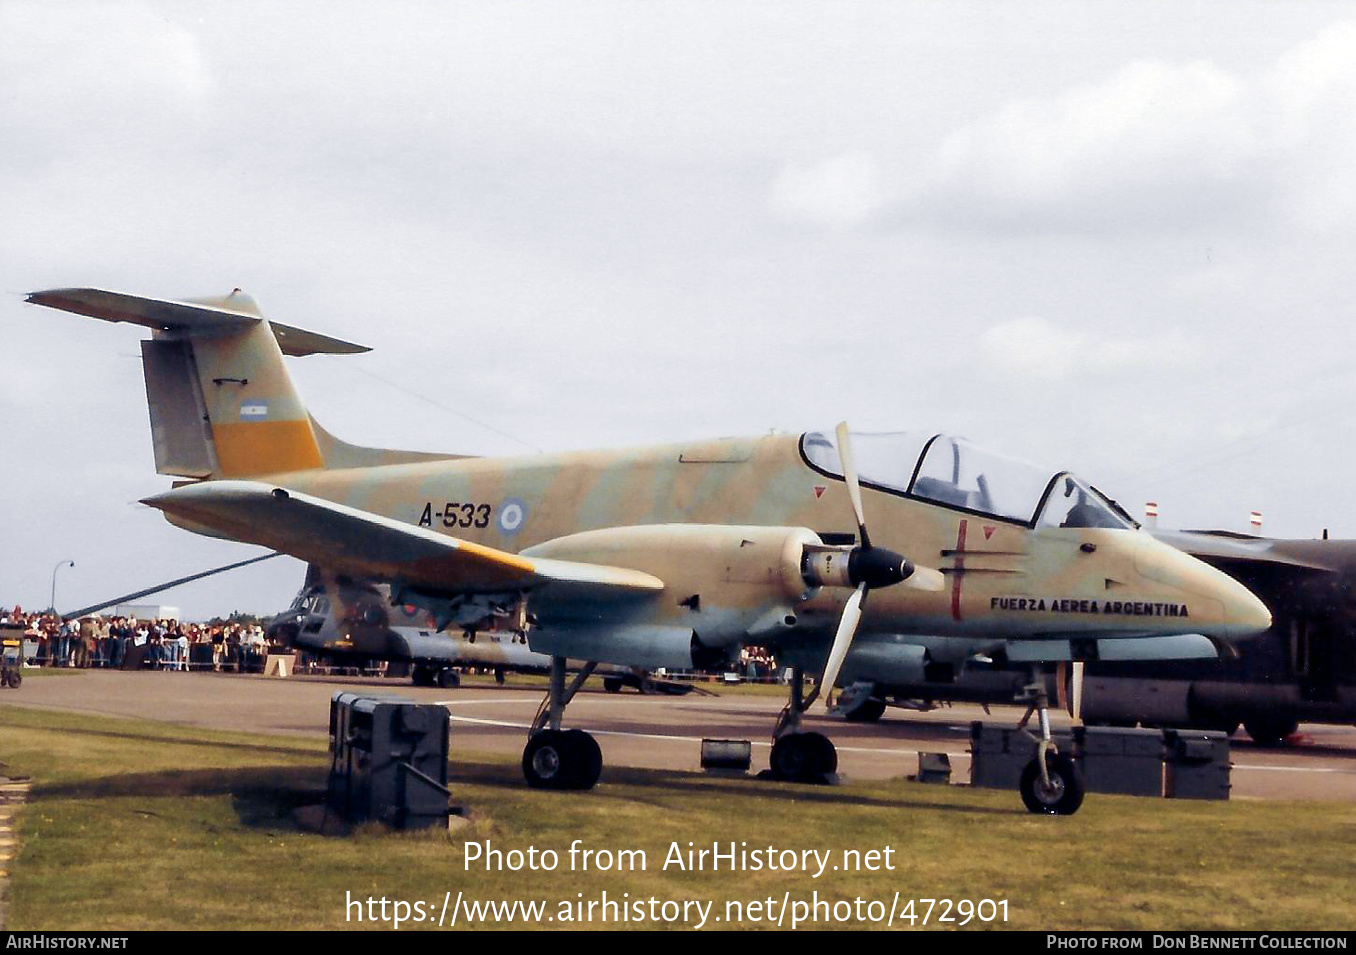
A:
[877,567]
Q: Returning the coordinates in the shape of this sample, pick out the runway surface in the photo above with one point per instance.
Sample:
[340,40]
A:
[660,732]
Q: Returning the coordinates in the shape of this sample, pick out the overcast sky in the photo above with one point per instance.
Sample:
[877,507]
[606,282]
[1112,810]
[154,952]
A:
[1115,238]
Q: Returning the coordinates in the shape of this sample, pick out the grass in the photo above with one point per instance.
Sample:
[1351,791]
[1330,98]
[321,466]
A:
[138,825]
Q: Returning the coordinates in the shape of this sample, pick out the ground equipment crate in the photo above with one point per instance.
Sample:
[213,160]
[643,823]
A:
[388,760]
[1123,760]
[1179,764]
[1196,764]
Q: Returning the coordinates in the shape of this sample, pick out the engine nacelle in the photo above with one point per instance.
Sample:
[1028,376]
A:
[721,582]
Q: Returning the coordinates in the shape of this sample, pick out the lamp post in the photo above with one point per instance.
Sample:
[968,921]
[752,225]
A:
[60,564]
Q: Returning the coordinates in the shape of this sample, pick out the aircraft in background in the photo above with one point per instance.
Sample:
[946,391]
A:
[1302,669]
[673,556]
[353,623]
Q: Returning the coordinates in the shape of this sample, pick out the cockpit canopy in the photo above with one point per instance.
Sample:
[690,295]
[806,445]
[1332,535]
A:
[954,472]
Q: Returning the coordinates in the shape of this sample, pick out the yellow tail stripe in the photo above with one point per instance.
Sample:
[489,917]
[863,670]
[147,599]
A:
[247,448]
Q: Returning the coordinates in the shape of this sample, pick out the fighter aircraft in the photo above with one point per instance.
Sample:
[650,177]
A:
[1303,668]
[670,556]
[353,622]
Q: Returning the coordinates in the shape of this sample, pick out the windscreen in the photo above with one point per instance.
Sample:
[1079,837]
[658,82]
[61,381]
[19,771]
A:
[1072,503]
[952,472]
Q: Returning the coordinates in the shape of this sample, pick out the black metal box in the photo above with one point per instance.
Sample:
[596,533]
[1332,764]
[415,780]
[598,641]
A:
[1197,764]
[1124,761]
[388,760]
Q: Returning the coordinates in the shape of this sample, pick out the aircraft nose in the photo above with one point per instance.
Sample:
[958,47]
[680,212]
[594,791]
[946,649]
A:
[1245,614]
[1236,613]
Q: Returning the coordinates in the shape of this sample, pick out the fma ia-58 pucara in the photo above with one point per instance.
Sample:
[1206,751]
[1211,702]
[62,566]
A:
[676,555]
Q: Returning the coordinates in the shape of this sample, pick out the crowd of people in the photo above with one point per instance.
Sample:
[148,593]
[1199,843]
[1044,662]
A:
[97,641]
[128,643]
[757,664]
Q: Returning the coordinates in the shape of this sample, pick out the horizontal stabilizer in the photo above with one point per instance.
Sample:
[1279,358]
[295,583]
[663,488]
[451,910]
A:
[236,310]
[359,542]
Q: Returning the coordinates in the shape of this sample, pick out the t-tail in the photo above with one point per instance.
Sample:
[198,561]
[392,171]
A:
[221,400]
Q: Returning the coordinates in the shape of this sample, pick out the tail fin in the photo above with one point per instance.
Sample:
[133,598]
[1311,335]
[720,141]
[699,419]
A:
[222,403]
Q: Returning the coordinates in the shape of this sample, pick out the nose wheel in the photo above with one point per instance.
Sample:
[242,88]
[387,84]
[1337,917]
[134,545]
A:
[1056,792]
[556,758]
[1052,783]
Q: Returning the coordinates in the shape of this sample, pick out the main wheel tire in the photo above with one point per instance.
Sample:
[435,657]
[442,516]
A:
[823,755]
[448,679]
[420,676]
[562,759]
[546,760]
[790,757]
[612,684]
[587,759]
[1065,792]
[1270,732]
[868,711]
[803,757]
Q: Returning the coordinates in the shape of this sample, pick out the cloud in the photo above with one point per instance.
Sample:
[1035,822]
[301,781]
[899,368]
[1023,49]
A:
[1035,348]
[1148,131]
[1154,141]
[71,72]
[843,191]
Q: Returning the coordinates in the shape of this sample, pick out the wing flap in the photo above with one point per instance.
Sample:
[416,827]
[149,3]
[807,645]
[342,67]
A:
[359,542]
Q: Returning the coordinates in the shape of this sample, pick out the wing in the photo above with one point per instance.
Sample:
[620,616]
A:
[359,542]
[1219,548]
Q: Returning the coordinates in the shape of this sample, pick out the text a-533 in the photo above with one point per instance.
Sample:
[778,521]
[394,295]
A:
[457,514]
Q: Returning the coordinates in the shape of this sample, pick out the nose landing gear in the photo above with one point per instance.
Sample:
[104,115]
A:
[1052,783]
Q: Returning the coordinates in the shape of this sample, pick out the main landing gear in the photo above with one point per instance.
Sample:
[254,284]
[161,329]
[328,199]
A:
[1270,731]
[1051,783]
[556,758]
[797,756]
[433,675]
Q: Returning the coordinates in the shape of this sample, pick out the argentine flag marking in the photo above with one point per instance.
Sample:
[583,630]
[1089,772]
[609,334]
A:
[254,411]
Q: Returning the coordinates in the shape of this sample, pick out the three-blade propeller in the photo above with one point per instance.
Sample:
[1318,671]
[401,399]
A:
[868,568]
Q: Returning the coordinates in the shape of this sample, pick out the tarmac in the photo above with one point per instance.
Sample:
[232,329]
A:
[658,732]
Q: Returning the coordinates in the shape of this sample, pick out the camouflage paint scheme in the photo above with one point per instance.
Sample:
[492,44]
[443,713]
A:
[606,550]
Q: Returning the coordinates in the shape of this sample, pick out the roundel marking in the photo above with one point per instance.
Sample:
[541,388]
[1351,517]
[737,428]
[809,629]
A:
[512,514]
